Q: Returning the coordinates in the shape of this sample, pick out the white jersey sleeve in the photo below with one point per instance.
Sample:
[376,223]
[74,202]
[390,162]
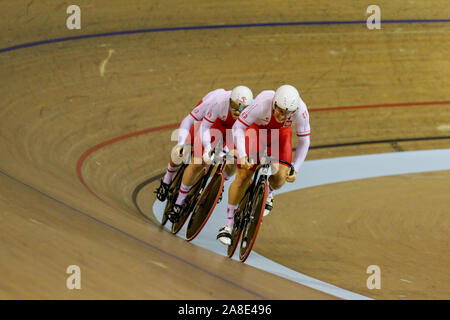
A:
[303,131]
[301,151]
[197,114]
[183,131]
[301,121]
[208,102]
[204,131]
[239,138]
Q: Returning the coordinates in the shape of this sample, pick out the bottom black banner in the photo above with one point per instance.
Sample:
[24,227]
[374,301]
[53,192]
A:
[220,309]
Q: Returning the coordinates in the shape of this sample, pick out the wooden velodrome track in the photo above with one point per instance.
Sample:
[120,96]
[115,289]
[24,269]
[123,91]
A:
[60,100]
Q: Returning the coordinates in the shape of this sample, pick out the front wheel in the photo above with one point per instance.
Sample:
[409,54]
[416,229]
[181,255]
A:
[253,222]
[238,224]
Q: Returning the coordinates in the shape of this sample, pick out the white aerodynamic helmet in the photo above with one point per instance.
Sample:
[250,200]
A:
[287,98]
[242,96]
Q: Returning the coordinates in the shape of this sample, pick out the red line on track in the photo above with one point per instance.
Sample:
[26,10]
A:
[388,105]
[97,147]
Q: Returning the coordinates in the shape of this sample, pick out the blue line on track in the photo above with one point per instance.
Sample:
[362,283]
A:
[231,26]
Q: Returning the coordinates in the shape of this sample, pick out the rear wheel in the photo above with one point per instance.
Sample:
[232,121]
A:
[205,206]
[251,227]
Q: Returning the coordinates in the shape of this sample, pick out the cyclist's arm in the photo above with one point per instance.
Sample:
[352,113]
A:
[239,138]
[246,119]
[196,115]
[184,128]
[301,151]
[303,130]
[207,122]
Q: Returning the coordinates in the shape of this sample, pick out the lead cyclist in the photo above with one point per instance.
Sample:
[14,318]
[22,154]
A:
[265,127]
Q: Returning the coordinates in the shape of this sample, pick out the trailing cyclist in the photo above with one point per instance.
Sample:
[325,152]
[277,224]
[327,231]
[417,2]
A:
[221,109]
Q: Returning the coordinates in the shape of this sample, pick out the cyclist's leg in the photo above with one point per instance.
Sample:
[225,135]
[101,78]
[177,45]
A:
[176,159]
[163,189]
[243,176]
[277,180]
[189,178]
[239,185]
[229,171]
[172,169]
[280,170]
[230,168]
[236,192]
[193,170]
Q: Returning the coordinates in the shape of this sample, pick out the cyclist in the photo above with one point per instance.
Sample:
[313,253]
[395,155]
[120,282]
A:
[269,118]
[223,110]
[188,126]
